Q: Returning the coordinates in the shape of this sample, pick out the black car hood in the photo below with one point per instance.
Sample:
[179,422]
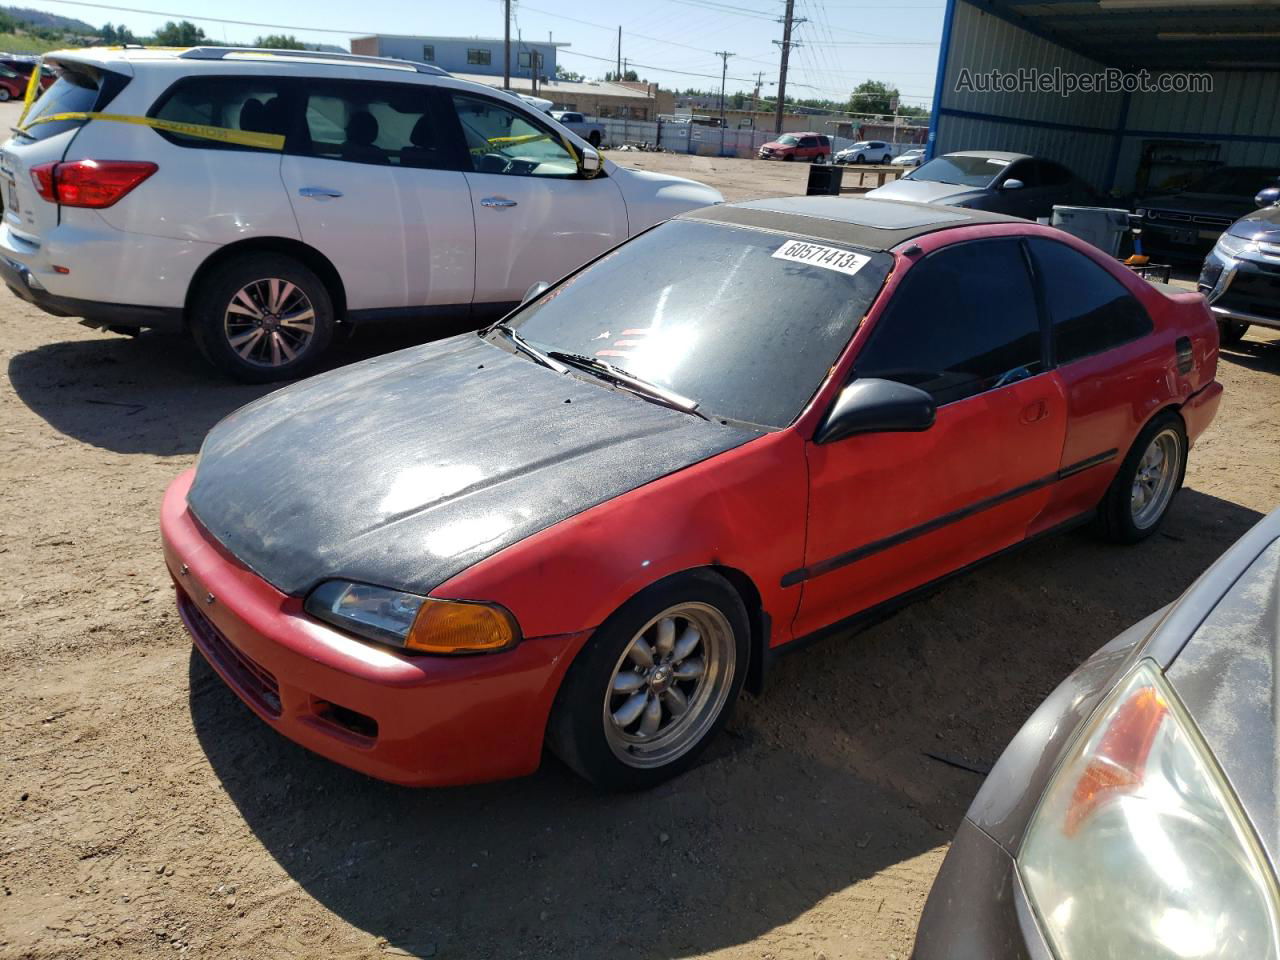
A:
[406,469]
[1226,675]
[1262,225]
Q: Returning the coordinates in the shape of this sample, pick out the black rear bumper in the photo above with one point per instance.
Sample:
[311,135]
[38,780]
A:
[94,313]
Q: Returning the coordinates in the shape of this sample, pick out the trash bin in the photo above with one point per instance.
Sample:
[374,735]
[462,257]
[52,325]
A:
[824,180]
[1103,227]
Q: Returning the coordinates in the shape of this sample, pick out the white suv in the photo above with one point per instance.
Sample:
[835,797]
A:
[394,190]
[866,151]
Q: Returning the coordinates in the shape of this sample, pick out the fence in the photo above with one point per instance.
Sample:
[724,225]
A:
[702,140]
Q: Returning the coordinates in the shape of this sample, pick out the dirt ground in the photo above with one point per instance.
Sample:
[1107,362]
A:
[145,812]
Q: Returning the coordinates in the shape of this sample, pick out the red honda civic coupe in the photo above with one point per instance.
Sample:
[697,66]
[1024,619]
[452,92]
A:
[587,526]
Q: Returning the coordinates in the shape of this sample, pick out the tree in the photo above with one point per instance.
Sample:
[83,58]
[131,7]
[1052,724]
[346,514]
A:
[872,96]
[569,75]
[278,41]
[112,35]
[183,34]
[630,75]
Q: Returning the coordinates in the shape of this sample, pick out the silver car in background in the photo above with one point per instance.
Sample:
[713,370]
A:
[1135,814]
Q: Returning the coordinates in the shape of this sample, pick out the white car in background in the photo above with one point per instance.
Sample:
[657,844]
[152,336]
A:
[392,190]
[866,151]
[912,158]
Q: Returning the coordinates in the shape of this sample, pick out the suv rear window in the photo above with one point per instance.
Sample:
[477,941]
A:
[77,90]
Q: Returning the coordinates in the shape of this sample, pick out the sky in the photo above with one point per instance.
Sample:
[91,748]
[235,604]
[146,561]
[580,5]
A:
[671,42]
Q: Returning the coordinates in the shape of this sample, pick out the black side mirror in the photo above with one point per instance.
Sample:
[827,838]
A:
[1268,197]
[877,406]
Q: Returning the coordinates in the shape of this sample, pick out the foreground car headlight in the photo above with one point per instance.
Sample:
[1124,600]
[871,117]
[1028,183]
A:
[1235,246]
[418,624]
[1138,848]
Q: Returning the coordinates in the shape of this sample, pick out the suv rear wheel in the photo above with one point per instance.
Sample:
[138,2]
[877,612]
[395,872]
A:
[260,318]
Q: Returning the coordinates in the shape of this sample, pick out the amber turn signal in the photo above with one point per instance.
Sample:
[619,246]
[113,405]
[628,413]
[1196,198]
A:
[460,626]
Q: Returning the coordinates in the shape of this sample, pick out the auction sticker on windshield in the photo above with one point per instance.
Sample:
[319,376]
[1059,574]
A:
[816,255]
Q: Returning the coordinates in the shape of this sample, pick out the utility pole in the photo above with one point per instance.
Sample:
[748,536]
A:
[506,45]
[724,56]
[789,20]
[619,76]
[755,97]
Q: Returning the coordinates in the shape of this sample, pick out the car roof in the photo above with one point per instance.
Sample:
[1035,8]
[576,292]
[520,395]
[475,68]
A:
[991,154]
[871,224]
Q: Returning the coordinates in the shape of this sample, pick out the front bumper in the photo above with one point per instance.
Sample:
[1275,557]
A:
[1246,291]
[418,721]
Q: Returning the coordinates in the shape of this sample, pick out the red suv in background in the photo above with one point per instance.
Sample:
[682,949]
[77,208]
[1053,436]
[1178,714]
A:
[11,67]
[798,146]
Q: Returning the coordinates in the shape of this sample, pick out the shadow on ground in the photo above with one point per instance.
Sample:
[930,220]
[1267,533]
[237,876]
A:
[1255,354]
[154,393]
[823,782]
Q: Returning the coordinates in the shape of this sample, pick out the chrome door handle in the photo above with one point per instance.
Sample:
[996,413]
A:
[319,193]
[497,202]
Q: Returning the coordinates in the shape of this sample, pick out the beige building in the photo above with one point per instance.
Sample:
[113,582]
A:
[635,101]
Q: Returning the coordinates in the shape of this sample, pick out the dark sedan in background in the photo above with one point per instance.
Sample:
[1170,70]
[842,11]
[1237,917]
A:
[1241,275]
[994,180]
[1136,813]
[1184,225]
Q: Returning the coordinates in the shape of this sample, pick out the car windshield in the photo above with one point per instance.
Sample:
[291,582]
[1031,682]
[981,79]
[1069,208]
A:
[966,171]
[788,140]
[1242,182]
[745,322]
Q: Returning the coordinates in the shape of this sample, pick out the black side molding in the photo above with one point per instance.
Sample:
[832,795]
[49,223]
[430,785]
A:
[876,546]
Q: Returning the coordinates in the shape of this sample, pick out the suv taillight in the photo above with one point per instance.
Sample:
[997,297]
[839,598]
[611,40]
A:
[89,183]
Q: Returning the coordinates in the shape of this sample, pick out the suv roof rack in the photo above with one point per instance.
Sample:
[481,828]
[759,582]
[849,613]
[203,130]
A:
[223,53]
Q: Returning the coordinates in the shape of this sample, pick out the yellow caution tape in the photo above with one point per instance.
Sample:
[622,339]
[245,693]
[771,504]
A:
[242,138]
[33,84]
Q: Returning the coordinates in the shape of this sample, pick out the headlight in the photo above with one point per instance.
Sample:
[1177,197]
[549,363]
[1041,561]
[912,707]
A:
[419,624]
[1138,848]
[1235,246]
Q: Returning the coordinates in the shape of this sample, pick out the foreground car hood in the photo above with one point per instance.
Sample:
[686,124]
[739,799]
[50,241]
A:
[924,191]
[406,469]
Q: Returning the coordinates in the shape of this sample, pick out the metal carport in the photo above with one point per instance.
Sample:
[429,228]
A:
[1121,141]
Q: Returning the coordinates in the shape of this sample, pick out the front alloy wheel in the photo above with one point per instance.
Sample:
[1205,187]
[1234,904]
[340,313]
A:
[669,685]
[654,683]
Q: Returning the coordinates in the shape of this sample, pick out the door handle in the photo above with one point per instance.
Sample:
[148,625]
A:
[497,202]
[1035,411]
[319,193]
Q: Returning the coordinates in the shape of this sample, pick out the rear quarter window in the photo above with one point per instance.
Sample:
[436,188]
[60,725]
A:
[78,89]
[254,104]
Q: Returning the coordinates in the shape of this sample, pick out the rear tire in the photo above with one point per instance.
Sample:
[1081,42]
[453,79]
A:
[4,94]
[788,157]
[887,159]
[263,317]
[654,684]
[593,138]
[1231,331]
[1152,472]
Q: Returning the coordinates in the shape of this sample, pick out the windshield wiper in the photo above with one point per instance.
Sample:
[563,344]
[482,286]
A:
[629,381]
[529,350]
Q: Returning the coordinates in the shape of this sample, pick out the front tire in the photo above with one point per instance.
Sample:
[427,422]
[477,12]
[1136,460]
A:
[260,318]
[654,684]
[859,159]
[1231,331]
[1144,486]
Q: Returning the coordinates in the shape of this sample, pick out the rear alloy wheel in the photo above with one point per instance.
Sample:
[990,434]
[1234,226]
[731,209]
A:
[1143,488]
[263,318]
[1231,331]
[4,94]
[594,139]
[887,159]
[653,684]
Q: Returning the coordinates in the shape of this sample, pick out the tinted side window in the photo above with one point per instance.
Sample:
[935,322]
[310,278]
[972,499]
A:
[1091,310]
[963,321]
[1024,170]
[255,104]
[386,124]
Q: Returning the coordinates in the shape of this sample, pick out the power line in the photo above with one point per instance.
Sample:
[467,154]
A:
[364,31]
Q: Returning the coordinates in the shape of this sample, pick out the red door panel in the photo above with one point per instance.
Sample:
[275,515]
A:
[892,511]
